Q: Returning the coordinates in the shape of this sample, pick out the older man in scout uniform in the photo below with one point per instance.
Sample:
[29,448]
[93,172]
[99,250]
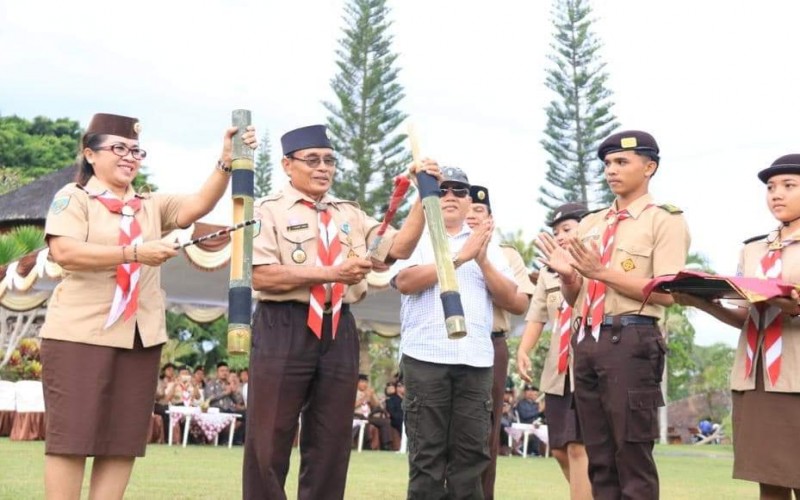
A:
[309,264]
[481,210]
[619,350]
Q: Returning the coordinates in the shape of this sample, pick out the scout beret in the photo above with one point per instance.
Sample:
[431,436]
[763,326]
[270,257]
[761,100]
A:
[108,124]
[480,194]
[629,140]
[313,136]
[786,164]
[566,211]
[454,174]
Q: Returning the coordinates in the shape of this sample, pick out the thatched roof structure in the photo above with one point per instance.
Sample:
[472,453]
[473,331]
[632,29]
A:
[30,203]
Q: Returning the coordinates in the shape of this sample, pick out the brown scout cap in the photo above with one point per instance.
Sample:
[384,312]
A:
[786,164]
[105,123]
[629,140]
[566,211]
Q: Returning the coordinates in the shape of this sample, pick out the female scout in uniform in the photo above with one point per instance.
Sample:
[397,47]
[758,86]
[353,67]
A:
[766,371]
[105,320]
[548,306]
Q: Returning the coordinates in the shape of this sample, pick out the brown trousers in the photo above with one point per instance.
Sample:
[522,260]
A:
[500,372]
[293,373]
[617,394]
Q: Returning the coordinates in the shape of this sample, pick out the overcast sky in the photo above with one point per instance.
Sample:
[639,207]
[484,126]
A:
[715,83]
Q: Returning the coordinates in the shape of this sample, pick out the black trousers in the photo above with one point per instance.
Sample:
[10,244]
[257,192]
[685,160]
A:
[499,374]
[293,373]
[617,394]
[447,417]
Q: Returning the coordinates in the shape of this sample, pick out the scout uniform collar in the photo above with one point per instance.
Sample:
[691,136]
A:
[294,196]
[637,207]
[95,187]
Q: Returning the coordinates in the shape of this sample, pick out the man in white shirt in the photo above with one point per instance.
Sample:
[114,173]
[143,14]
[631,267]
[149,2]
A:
[448,401]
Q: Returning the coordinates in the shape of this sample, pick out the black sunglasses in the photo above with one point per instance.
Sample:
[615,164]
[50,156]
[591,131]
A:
[457,192]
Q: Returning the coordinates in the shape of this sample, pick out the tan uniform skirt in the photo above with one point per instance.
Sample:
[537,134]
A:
[766,435]
[98,400]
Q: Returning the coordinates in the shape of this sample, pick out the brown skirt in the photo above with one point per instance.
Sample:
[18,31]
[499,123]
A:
[766,435]
[99,400]
[562,419]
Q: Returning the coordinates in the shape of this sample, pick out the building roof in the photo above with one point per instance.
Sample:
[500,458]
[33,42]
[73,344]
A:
[29,204]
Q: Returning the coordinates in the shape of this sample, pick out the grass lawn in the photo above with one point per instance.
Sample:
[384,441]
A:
[206,472]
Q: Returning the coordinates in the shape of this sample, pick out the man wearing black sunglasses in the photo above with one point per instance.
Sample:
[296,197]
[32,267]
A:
[448,382]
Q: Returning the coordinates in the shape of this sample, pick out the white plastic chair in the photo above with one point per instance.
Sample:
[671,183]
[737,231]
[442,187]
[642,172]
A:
[362,424]
[175,412]
[29,396]
[8,396]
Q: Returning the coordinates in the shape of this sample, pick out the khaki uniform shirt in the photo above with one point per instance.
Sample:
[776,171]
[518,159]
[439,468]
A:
[652,242]
[501,319]
[789,379]
[289,236]
[544,309]
[81,302]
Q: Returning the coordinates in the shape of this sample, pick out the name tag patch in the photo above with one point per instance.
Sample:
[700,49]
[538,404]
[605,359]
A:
[297,227]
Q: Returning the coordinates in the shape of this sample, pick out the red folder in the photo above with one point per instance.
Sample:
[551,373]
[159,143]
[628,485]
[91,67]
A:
[711,286]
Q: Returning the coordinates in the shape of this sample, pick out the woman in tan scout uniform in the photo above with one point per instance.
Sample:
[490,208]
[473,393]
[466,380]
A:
[548,306]
[619,349]
[309,264]
[105,320]
[766,372]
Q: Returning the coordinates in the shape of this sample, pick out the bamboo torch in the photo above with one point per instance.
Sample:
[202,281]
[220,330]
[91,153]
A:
[239,292]
[445,271]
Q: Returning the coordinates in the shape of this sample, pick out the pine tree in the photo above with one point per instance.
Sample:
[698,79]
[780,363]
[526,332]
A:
[364,118]
[263,168]
[580,116]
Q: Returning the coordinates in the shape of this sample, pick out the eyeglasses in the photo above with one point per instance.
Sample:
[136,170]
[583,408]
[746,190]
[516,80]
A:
[314,161]
[122,151]
[457,192]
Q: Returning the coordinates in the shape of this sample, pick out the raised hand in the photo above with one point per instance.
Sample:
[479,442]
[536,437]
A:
[586,259]
[477,241]
[553,256]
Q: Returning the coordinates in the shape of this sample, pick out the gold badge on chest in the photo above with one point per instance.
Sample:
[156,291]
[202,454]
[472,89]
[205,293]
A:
[628,265]
[298,255]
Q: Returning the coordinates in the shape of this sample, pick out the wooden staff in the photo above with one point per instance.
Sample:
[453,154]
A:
[239,292]
[215,234]
[445,271]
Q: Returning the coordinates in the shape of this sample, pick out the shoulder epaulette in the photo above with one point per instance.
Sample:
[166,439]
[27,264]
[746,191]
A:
[269,197]
[755,238]
[670,208]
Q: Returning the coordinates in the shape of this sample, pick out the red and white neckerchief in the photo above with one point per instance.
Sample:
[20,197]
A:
[329,253]
[126,293]
[595,298]
[766,318]
[563,329]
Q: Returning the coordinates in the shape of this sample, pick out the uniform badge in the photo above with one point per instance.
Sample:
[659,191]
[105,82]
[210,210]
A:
[481,195]
[628,265]
[296,227]
[298,255]
[137,127]
[628,142]
[59,205]
[346,228]
[351,253]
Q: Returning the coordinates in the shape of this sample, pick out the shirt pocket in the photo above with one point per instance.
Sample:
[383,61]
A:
[634,259]
[298,247]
